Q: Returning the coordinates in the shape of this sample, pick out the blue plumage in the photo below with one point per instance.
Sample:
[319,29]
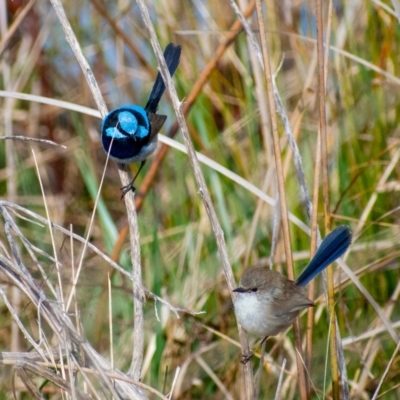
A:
[331,248]
[131,131]
[172,56]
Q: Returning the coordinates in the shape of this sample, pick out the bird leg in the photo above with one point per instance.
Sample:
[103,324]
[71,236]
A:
[246,357]
[125,189]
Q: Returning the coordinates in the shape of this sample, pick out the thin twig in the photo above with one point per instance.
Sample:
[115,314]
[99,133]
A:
[257,378]
[29,139]
[386,371]
[278,388]
[214,377]
[178,370]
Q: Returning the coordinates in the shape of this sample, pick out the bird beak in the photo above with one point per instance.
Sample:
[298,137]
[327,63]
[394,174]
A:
[240,290]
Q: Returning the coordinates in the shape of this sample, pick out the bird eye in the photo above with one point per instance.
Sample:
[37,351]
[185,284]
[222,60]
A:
[254,290]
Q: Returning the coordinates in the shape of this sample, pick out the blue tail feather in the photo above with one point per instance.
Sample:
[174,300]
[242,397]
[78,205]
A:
[331,248]
[172,56]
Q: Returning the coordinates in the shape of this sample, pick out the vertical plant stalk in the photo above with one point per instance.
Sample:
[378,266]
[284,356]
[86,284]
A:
[138,329]
[138,291]
[315,236]
[203,191]
[325,194]
[10,160]
[281,190]
[313,248]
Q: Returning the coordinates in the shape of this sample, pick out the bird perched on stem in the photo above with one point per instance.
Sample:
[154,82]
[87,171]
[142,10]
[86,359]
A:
[131,131]
[267,302]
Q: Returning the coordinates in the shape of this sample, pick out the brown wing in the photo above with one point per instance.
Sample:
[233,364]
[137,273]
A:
[156,123]
[293,300]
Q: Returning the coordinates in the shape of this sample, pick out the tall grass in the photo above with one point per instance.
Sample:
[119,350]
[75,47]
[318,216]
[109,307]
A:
[196,355]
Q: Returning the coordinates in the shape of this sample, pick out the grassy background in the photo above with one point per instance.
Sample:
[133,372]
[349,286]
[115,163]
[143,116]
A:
[179,255]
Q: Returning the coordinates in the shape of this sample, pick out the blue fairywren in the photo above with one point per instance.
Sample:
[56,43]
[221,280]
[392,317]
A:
[267,302]
[131,131]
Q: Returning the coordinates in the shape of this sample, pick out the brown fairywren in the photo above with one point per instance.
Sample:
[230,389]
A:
[267,302]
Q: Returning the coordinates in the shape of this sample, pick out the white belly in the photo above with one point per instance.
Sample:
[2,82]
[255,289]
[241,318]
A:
[254,314]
